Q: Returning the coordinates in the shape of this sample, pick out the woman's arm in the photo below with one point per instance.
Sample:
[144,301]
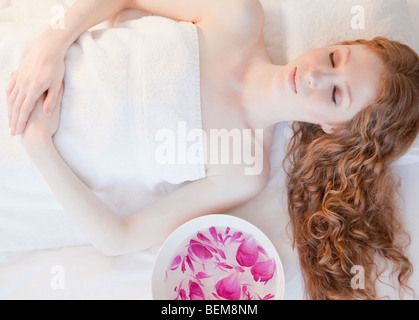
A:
[83,15]
[109,233]
[113,235]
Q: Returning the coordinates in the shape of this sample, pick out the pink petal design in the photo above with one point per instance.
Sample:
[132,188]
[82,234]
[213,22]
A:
[211,248]
[244,289]
[195,291]
[229,287]
[262,251]
[201,252]
[220,237]
[222,265]
[213,233]
[216,251]
[239,269]
[190,264]
[221,253]
[192,241]
[175,263]
[190,254]
[246,293]
[247,253]
[215,296]
[235,237]
[204,238]
[199,281]
[205,249]
[225,239]
[263,271]
[267,297]
[203,275]
[182,294]
[183,266]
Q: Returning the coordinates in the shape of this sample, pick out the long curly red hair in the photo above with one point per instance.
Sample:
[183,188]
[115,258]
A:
[341,189]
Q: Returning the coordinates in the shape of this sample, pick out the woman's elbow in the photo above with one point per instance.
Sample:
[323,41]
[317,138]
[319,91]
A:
[121,248]
[110,253]
[117,251]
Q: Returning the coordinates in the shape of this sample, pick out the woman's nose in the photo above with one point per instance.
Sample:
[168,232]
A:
[318,78]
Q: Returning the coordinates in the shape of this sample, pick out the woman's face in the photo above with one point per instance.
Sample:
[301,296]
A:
[332,84]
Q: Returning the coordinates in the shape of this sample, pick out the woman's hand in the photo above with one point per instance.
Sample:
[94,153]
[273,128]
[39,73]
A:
[41,128]
[41,72]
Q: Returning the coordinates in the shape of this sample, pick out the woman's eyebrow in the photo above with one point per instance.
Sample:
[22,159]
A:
[348,88]
[348,55]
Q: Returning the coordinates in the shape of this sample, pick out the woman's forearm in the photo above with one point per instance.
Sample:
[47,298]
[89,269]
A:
[83,15]
[103,228]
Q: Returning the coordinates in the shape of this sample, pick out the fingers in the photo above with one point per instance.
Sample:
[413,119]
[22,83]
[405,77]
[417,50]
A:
[21,101]
[22,96]
[60,95]
[57,109]
[24,114]
[11,102]
[15,113]
[11,85]
[52,98]
[20,110]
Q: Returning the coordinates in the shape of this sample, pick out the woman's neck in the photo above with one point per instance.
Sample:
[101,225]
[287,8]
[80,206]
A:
[261,92]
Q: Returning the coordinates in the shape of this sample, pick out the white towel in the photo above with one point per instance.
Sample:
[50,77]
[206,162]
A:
[123,85]
[129,84]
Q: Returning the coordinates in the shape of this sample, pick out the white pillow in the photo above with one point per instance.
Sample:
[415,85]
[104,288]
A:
[296,26]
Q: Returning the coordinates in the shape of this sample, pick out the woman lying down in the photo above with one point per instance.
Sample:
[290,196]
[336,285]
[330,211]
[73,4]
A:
[355,106]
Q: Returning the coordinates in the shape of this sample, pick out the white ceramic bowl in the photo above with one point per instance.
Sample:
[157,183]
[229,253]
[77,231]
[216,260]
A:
[166,253]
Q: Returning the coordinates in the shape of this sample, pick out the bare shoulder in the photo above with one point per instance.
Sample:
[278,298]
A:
[252,173]
[253,177]
[238,18]
[237,189]
[242,180]
[247,14]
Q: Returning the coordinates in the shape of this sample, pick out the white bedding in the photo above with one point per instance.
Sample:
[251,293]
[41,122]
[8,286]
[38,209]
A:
[86,274]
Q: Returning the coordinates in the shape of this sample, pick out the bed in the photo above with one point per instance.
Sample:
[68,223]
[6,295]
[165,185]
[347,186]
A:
[58,263]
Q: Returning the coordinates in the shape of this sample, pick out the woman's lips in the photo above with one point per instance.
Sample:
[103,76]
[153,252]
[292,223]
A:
[292,80]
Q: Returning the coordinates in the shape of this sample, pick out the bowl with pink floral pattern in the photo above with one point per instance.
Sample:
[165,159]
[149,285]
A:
[218,257]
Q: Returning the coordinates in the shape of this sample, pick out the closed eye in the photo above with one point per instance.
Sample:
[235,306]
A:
[332,61]
[334,95]
[331,56]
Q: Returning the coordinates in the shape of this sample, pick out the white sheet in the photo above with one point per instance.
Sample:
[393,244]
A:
[75,273]
[89,275]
